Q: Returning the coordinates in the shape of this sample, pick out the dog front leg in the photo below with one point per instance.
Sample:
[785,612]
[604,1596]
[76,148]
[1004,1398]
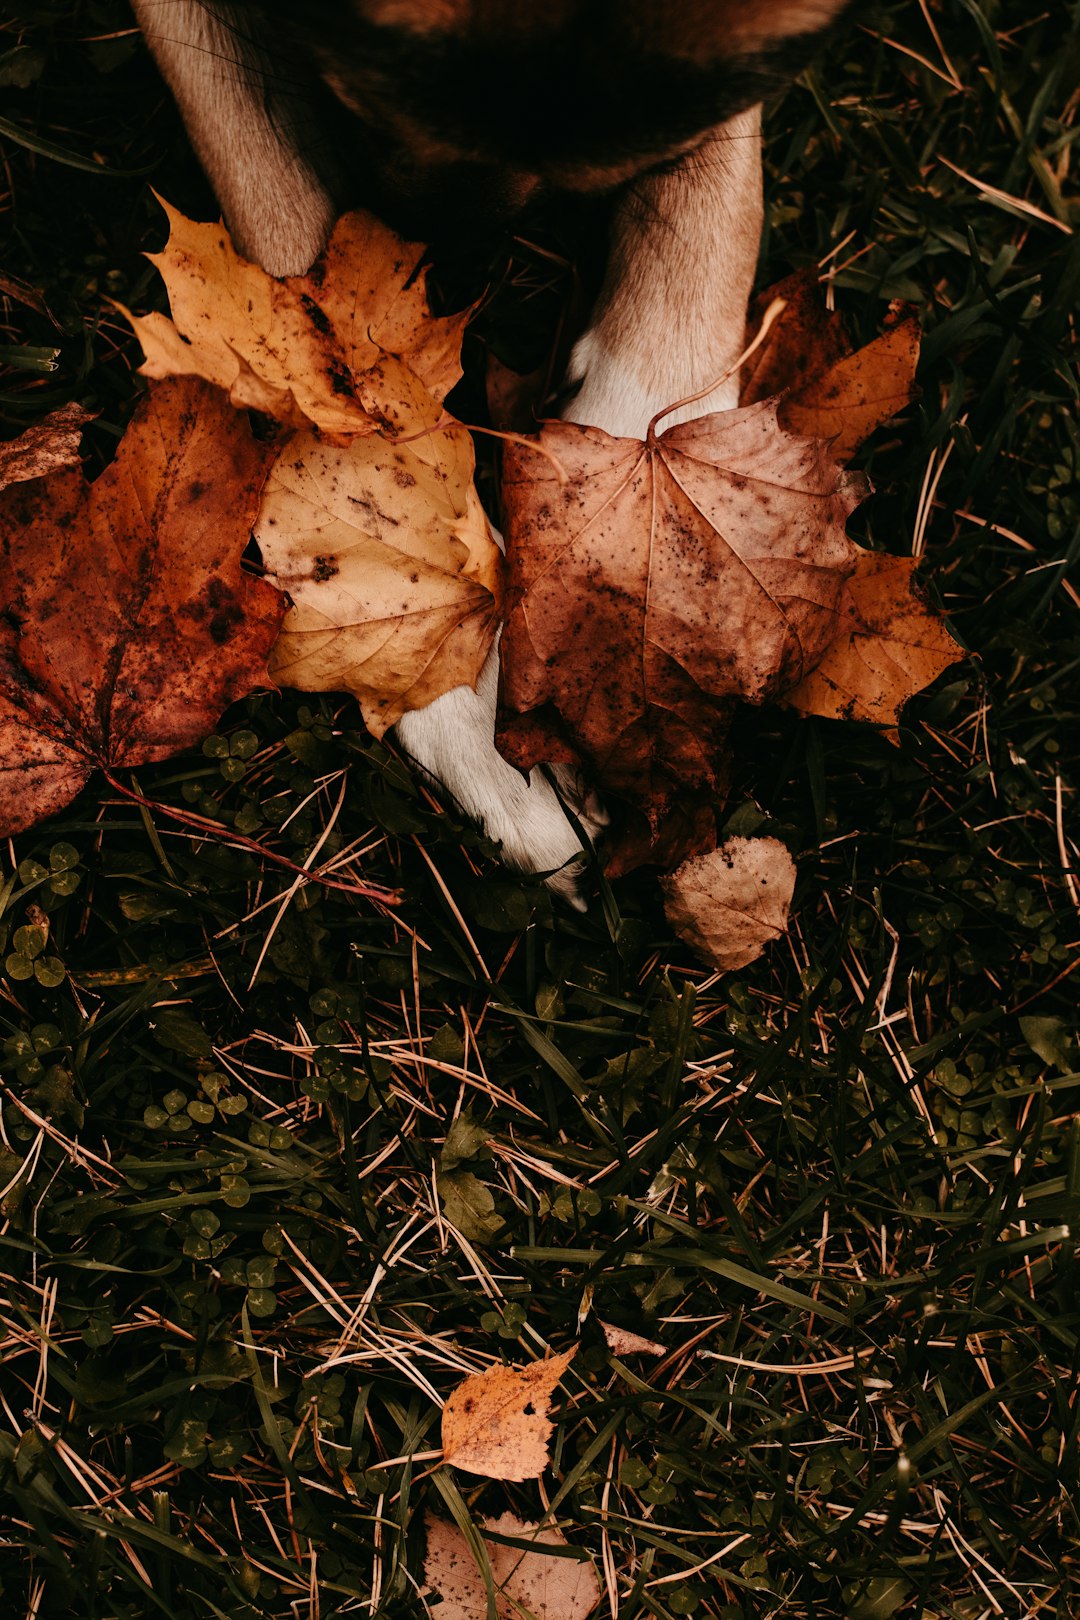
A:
[252,131]
[671,316]
[670,320]
[247,118]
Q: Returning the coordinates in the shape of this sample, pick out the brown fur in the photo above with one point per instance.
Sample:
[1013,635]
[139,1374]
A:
[694,29]
[701,30]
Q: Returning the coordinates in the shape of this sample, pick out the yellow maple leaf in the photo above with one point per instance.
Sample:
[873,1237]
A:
[385,553]
[369,520]
[332,349]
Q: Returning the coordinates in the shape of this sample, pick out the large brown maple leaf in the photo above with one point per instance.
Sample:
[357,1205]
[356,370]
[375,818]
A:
[128,623]
[661,581]
[657,582]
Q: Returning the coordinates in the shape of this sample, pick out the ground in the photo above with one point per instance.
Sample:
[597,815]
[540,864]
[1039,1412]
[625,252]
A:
[280,1167]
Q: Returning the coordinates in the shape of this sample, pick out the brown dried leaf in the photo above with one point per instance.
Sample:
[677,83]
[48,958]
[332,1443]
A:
[828,390]
[889,647]
[527,1582]
[130,624]
[338,348]
[663,580]
[387,556]
[733,902]
[625,1343]
[801,344]
[45,447]
[496,1422]
[856,395]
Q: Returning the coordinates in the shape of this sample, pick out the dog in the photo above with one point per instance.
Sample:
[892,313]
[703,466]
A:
[448,100]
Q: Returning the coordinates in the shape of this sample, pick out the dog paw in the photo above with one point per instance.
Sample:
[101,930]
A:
[453,742]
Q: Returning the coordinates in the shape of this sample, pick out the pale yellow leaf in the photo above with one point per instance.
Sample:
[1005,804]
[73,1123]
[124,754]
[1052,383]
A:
[388,559]
[527,1582]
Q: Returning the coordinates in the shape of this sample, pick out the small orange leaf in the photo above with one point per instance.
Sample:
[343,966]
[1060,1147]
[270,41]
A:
[856,395]
[730,904]
[496,1423]
[890,647]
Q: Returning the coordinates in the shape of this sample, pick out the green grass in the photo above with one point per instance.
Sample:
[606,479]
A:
[837,1186]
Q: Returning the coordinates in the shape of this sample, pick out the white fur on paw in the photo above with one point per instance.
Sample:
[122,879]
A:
[453,741]
[615,397]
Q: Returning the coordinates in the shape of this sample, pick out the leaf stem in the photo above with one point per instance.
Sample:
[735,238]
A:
[772,314]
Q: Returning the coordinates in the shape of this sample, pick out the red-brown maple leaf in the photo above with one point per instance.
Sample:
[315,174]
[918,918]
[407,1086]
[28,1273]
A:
[128,624]
[660,582]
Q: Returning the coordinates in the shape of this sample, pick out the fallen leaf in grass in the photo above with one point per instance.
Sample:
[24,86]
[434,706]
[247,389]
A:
[496,1422]
[829,391]
[889,646]
[46,447]
[1050,1039]
[129,624]
[661,581]
[856,395]
[388,559]
[528,1581]
[337,348]
[469,1205]
[625,1343]
[733,902]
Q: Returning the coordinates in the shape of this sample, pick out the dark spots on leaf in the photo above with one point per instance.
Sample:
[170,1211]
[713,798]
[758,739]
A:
[340,381]
[315,315]
[373,510]
[195,490]
[403,479]
[220,610]
[324,568]
[468,1404]
[223,624]
[530,1409]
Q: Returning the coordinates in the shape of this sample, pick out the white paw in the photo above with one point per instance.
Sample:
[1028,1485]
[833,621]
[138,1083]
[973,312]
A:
[453,742]
[622,401]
